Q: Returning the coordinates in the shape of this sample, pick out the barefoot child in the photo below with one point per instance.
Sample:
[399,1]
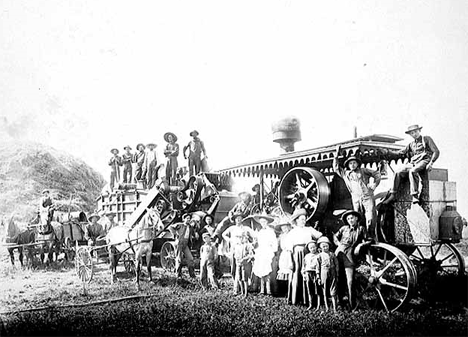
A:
[327,271]
[309,273]
[208,256]
[243,254]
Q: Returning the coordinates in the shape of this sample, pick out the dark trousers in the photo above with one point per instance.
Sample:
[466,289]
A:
[127,174]
[194,165]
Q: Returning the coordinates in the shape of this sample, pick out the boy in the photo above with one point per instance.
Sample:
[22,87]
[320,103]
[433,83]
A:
[115,162]
[347,239]
[243,254]
[208,257]
[327,271]
[309,273]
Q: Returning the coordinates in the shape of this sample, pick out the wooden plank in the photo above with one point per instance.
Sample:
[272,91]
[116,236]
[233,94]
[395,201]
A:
[141,209]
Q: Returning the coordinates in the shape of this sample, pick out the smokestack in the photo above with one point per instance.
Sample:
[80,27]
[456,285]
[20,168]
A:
[286,132]
[355,131]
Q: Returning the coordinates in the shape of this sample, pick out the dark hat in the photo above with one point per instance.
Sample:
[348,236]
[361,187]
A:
[167,134]
[127,147]
[352,158]
[208,216]
[345,215]
[297,213]
[151,144]
[255,187]
[413,128]
[138,146]
[115,151]
[194,133]
[45,190]
[93,215]
[268,218]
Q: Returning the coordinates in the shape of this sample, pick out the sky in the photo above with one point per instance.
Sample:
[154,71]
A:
[87,76]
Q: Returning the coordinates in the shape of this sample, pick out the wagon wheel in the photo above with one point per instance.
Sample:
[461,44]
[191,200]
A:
[129,264]
[438,260]
[168,256]
[304,187]
[69,249]
[84,264]
[385,278]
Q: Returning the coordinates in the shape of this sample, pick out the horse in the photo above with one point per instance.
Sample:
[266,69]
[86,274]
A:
[14,235]
[138,239]
[49,237]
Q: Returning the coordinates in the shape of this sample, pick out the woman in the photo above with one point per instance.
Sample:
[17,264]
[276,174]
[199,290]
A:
[267,245]
[296,240]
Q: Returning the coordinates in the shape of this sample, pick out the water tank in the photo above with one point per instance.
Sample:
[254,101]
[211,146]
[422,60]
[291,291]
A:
[286,132]
[450,225]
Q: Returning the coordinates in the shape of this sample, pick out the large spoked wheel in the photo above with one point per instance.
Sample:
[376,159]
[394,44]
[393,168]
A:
[438,260]
[304,187]
[168,256]
[385,278]
[84,266]
[128,263]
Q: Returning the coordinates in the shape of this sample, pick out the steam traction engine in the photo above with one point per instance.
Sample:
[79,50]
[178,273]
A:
[412,239]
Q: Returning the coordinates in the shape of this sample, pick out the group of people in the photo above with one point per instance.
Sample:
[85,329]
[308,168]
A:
[144,164]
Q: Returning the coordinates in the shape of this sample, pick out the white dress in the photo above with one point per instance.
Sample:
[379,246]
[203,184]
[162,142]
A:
[265,252]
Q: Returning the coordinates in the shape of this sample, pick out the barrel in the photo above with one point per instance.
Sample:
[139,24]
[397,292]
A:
[450,225]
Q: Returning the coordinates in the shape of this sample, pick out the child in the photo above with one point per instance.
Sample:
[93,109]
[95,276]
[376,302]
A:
[309,273]
[208,256]
[327,271]
[243,254]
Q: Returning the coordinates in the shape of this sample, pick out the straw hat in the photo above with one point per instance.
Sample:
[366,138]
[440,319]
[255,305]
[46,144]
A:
[268,218]
[352,158]
[413,128]
[297,213]
[139,145]
[194,133]
[323,239]
[345,215]
[115,151]
[93,215]
[127,147]
[167,134]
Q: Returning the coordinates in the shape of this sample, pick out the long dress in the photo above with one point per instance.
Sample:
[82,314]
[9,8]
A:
[265,252]
[296,241]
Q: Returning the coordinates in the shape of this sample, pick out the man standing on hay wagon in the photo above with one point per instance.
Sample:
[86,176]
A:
[195,147]
[422,152]
[183,232]
[171,152]
[139,159]
[115,162]
[46,205]
[127,158]
[151,165]
[357,180]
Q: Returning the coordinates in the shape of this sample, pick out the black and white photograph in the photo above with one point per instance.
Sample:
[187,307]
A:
[233,168]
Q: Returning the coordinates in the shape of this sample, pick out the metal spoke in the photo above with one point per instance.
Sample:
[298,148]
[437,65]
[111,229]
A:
[382,299]
[420,253]
[394,285]
[445,258]
[440,246]
[298,180]
[432,251]
[380,273]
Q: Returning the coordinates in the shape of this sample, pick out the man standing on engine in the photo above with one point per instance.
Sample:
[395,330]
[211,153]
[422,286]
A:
[195,147]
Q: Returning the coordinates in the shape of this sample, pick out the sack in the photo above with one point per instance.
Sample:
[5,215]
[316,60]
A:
[204,165]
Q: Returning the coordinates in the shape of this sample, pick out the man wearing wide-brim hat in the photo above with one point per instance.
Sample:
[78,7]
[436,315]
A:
[139,159]
[183,233]
[127,159]
[422,152]
[361,183]
[151,165]
[46,205]
[195,147]
[110,221]
[171,152]
[94,232]
[347,239]
[115,162]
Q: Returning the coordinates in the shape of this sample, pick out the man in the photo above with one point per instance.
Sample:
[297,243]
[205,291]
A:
[114,163]
[151,165]
[422,152]
[171,152]
[94,232]
[139,159]
[46,205]
[127,158]
[195,147]
[183,232]
[357,180]
[110,222]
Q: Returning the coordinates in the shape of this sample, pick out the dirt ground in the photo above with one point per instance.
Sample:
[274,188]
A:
[58,284]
